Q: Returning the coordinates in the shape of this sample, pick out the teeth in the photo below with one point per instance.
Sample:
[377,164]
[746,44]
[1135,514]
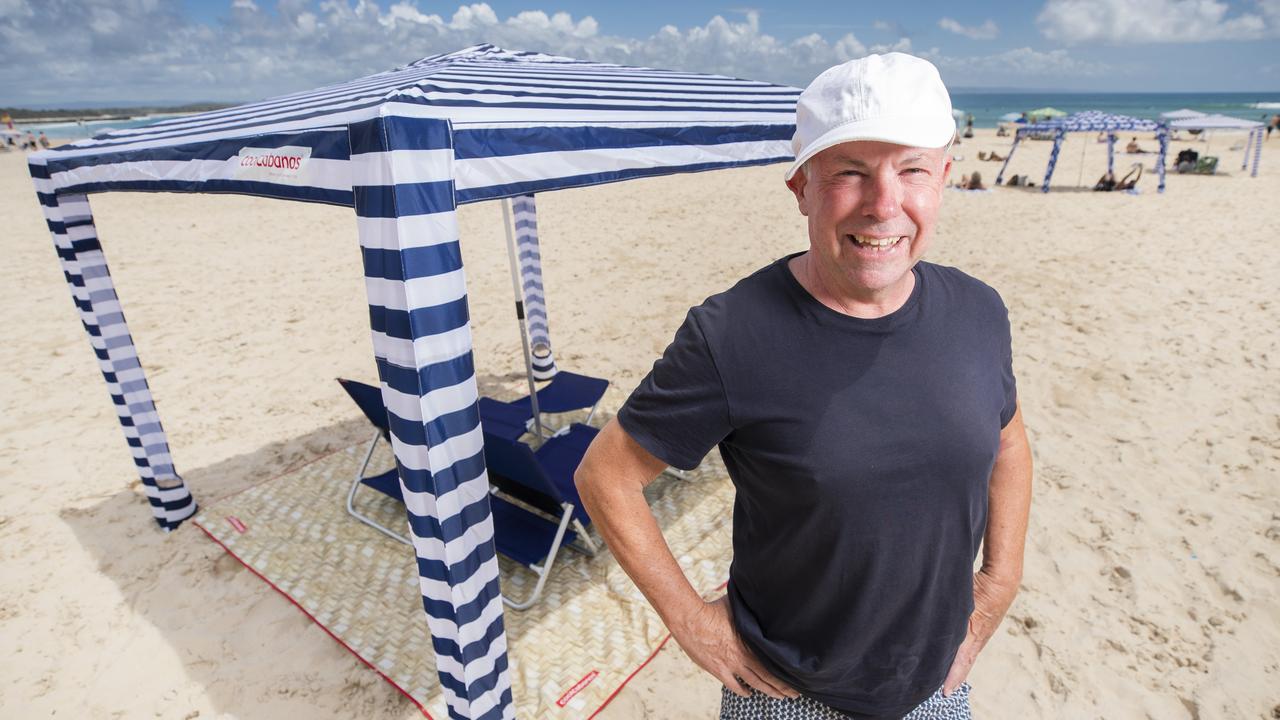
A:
[877,242]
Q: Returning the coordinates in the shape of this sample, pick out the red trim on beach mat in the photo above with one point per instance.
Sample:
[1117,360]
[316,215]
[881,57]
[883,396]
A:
[313,619]
[614,694]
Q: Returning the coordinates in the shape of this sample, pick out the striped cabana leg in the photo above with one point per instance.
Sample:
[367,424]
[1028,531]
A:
[85,268]
[1053,158]
[529,258]
[1162,135]
[1257,153]
[402,173]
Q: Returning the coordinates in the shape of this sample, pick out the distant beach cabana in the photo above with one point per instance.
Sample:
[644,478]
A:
[1089,121]
[1181,114]
[403,148]
[1226,122]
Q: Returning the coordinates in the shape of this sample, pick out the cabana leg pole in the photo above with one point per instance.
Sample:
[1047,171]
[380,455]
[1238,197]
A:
[402,171]
[524,334]
[1248,145]
[529,255]
[1257,153]
[84,266]
[1017,135]
[1163,136]
[1053,159]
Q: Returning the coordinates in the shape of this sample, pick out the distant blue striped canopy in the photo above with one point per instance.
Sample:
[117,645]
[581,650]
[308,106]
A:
[522,123]
[1088,121]
[1091,121]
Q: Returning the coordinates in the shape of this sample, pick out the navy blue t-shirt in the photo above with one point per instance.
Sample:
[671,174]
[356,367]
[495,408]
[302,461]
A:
[860,450]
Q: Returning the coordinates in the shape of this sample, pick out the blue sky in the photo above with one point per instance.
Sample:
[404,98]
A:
[130,51]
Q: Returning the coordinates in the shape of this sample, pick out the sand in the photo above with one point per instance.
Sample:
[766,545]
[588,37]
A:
[1145,343]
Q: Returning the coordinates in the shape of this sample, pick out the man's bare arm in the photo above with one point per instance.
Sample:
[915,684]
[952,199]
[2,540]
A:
[611,482]
[996,583]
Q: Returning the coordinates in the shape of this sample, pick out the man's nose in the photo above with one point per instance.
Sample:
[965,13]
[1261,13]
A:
[883,199]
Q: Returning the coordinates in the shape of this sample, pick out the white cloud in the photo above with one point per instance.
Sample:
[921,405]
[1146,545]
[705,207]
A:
[110,51]
[1156,21]
[1018,63]
[988,30]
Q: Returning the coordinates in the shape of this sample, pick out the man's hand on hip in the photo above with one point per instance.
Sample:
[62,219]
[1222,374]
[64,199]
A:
[991,599]
[709,639]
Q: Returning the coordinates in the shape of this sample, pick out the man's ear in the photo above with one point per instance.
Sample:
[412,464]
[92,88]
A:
[797,184]
[946,167]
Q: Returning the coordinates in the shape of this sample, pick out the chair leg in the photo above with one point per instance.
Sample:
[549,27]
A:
[544,571]
[591,548]
[351,496]
[678,474]
[592,413]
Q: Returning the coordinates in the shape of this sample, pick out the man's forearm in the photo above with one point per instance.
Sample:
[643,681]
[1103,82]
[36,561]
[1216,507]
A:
[1008,506]
[611,482]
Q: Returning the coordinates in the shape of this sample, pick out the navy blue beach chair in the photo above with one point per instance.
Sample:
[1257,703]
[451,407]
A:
[566,392]
[534,524]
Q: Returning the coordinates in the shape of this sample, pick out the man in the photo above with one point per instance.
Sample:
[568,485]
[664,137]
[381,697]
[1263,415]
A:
[864,405]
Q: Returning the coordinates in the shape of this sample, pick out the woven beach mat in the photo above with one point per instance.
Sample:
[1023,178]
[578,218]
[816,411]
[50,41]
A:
[570,653]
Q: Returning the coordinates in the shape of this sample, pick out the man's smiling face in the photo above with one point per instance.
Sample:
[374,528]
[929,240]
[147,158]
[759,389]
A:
[872,209]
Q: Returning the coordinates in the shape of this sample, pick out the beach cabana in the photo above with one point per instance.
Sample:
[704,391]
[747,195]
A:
[1226,122]
[1089,121]
[1181,114]
[403,148]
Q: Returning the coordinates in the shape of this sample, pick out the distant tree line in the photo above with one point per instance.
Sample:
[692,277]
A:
[106,113]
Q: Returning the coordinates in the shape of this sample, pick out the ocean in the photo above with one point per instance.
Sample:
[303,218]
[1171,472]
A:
[986,108]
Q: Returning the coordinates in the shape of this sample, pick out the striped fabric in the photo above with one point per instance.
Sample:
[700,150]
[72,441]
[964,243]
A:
[422,342]
[84,266]
[522,123]
[404,148]
[525,214]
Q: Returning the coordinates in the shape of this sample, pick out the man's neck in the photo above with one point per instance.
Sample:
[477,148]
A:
[868,306]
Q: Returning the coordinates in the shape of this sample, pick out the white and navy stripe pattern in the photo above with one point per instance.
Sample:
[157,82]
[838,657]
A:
[84,267]
[1090,121]
[404,197]
[523,123]
[529,259]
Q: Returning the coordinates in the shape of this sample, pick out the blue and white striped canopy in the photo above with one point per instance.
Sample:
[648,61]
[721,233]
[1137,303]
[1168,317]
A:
[1091,121]
[522,123]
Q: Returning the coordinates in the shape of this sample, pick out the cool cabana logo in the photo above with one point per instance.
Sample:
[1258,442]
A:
[279,165]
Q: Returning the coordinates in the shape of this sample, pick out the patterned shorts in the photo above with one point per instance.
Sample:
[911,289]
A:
[762,707]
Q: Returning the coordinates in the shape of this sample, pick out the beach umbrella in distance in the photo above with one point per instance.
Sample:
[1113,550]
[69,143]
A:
[1182,114]
[1046,112]
[1011,117]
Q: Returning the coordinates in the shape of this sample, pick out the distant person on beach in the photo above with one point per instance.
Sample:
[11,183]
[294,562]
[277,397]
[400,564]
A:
[29,141]
[1274,124]
[972,182]
[1133,149]
[44,140]
[864,404]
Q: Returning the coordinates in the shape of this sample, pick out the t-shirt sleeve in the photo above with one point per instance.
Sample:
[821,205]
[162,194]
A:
[1008,383]
[679,411]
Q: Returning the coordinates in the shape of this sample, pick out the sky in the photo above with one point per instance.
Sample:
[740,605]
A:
[58,53]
